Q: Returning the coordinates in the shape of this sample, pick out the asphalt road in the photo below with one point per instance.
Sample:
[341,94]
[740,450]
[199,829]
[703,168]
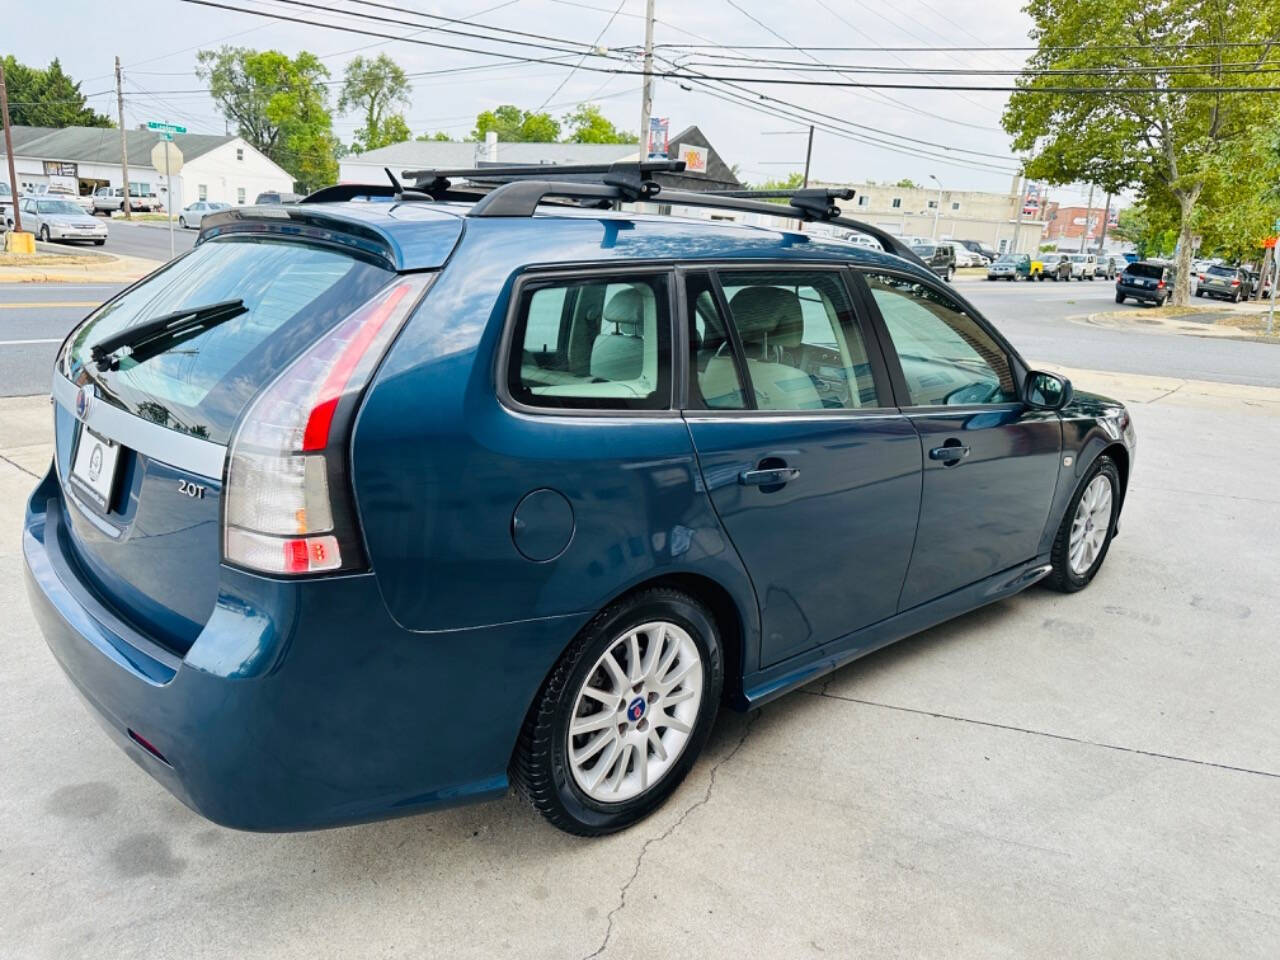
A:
[1037,318]
[1094,775]
[150,240]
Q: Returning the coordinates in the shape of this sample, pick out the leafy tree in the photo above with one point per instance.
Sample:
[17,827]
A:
[792,181]
[1153,134]
[47,98]
[906,183]
[278,104]
[375,87]
[588,125]
[515,125]
[438,135]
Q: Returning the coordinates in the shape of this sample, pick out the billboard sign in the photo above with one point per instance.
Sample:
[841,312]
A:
[694,157]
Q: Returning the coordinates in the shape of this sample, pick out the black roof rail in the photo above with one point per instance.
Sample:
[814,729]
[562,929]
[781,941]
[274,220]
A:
[625,173]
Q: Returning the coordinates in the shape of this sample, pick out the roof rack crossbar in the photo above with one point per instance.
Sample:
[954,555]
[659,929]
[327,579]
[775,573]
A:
[642,170]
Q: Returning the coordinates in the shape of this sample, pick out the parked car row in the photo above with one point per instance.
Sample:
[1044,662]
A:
[50,217]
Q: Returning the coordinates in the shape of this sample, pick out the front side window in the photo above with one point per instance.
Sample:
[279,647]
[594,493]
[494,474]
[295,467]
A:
[801,343]
[947,358]
[601,343]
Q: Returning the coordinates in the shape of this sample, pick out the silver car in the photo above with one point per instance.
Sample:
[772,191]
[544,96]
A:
[61,220]
[193,213]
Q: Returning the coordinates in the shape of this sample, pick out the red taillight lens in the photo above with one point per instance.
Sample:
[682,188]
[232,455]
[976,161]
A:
[1160,285]
[1235,283]
[286,501]
[1202,278]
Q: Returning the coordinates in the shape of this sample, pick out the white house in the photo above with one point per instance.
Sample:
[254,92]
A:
[222,168]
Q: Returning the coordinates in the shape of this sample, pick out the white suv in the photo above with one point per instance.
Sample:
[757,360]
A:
[1083,266]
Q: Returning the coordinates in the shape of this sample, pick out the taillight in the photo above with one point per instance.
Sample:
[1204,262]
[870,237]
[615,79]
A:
[287,503]
[1160,285]
[1235,283]
[1202,278]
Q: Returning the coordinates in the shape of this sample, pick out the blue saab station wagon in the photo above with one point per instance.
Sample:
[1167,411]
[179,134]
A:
[391,498]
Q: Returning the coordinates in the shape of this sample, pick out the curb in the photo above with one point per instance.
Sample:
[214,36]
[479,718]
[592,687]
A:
[1177,326]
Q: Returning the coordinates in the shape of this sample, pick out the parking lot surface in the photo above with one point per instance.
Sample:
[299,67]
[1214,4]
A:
[1053,776]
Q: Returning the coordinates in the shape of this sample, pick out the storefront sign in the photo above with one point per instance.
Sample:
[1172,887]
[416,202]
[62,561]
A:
[695,158]
[59,168]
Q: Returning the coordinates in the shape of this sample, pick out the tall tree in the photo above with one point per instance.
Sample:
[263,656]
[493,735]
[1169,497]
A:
[375,87]
[1153,134]
[47,97]
[588,125]
[515,125]
[278,104]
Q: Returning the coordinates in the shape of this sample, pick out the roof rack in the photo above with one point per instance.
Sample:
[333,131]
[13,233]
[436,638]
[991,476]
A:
[632,180]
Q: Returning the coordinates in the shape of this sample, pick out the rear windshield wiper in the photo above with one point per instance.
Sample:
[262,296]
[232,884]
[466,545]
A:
[148,339]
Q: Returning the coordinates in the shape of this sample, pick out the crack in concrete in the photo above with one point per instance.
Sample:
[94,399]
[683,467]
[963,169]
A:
[1164,395]
[635,873]
[18,466]
[1044,733]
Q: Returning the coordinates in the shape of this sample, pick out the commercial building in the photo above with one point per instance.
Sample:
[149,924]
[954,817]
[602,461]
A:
[223,168]
[998,220]
[1066,225]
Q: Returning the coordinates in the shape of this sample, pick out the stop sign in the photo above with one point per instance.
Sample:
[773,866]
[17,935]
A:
[166,149]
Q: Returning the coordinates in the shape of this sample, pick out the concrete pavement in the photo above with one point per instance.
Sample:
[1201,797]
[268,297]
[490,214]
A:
[1086,776]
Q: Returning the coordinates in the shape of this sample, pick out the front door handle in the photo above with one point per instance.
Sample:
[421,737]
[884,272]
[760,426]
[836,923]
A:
[768,477]
[952,453]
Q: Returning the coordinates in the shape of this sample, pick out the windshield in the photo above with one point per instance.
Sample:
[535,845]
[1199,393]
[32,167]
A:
[293,292]
[1078,258]
[1008,261]
[57,206]
[923,249]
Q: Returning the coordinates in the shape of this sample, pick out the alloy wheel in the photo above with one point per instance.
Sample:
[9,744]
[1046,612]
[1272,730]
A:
[635,711]
[1090,525]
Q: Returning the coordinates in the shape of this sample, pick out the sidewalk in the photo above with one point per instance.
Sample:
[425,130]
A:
[1202,318]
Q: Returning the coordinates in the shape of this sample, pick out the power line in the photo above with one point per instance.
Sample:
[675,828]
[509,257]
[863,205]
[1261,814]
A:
[582,59]
[981,49]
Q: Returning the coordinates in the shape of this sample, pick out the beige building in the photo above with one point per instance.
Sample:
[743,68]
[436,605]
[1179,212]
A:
[989,218]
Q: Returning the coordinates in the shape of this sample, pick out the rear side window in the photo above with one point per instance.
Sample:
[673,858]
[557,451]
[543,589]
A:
[293,292]
[602,343]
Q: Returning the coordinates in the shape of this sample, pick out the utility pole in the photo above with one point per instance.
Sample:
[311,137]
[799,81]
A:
[646,96]
[1106,220]
[124,144]
[1018,202]
[8,152]
[937,206]
[808,155]
[1088,218]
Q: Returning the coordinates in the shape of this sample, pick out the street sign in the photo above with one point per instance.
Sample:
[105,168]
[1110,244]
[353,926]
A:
[166,157]
[169,128]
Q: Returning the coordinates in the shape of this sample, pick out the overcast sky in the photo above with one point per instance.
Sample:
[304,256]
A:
[157,42]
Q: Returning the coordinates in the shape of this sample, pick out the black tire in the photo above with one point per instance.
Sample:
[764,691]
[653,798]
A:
[539,766]
[1236,298]
[1199,293]
[44,233]
[1119,298]
[1062,577]
[182,222]
[951,272]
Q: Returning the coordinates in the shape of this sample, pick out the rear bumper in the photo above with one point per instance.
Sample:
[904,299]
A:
[1142,293]
[301,704]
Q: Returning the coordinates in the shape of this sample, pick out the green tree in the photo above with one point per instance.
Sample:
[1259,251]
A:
[792,181]
[1152,134]
[438,135]
[906,183]
[278,104]
[375,87]
[47,98]
[515,125]
[588,125]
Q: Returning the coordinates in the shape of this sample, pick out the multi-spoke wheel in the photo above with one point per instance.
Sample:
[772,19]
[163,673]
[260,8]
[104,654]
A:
[1087,528]
[623,715]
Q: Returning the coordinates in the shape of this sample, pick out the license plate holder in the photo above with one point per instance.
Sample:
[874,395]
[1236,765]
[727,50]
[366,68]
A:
[93,471]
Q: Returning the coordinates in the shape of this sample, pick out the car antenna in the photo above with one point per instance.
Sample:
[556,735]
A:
[401,192]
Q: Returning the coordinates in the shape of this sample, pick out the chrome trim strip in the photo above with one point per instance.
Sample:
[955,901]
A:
[200,457]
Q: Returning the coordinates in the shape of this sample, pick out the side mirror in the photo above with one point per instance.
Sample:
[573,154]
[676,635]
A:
[1047,391]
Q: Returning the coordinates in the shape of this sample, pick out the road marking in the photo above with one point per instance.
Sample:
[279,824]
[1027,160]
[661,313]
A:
[49,303]
[24,343]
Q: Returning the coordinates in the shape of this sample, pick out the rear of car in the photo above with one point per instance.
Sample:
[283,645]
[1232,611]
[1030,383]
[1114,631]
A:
[1145,282]
[1223,282]
[195,555]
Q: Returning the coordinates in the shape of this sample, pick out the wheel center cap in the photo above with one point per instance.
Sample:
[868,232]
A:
[636,709]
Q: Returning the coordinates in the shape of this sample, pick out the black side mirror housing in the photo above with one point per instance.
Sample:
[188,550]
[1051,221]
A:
[1047,391]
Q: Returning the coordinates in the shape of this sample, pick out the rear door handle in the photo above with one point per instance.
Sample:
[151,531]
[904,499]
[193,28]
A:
[768,477]
[953,452]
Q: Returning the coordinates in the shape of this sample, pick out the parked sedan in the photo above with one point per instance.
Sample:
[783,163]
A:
[193,213]
[1109,267]
[61,220]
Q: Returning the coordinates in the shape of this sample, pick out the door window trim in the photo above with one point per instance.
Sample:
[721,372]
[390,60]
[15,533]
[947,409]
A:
[880,373]
[1018,368]
[587,273]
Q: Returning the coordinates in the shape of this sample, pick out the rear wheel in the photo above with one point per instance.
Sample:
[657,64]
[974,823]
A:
[44,234]
[182,222]
[1085,534]
[624,714]
[1119,298]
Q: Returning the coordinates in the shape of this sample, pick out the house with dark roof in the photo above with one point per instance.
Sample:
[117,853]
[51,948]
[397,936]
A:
[705,170]
[216,167]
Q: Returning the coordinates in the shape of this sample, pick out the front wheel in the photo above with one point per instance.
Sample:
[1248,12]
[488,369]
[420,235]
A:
[951,272]
[623,715]
[1085,535]
[44,234]
[1119,298]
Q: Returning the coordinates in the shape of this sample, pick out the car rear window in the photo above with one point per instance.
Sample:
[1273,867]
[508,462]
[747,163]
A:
[1221,271]
[293,292]
[1149,270]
